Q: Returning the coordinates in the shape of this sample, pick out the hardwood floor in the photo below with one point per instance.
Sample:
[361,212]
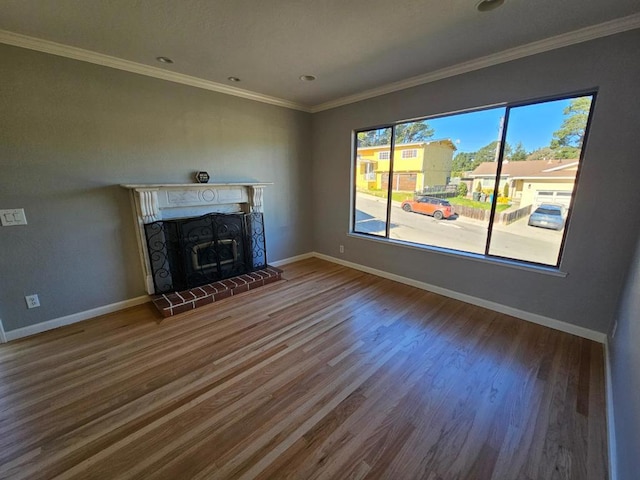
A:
[332,373]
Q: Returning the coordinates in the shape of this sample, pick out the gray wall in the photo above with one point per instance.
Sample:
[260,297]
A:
[605,223]
[624,353]
[71,132]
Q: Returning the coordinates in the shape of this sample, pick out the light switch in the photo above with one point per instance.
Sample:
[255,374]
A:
[12,217]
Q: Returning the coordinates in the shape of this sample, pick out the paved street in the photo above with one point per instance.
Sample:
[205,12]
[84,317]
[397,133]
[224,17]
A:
[517,240]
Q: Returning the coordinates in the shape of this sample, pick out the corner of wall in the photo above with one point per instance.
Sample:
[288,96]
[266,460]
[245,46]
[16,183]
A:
[611,426]
[3,337]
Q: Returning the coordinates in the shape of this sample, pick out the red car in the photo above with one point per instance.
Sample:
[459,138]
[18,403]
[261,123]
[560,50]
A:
[436,207]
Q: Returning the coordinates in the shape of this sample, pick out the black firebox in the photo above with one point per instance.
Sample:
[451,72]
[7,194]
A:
[190,252]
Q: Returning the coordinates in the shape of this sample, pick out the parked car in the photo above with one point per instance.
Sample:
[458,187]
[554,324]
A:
[436,207]
[548,216]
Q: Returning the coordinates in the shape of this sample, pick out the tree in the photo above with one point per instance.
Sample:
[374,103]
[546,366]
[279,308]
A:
[413,132]
[488,152]
[405,133]
[373,138]
[519,154]
[548,153]
[464,161]
[571,132]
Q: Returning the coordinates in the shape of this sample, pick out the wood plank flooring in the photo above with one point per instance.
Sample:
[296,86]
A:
[330,374]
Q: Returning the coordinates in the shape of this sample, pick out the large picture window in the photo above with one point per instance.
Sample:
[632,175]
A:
[497,182]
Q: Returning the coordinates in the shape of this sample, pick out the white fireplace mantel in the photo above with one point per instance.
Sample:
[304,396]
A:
[154,202]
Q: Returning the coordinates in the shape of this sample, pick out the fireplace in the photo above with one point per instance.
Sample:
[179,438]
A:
[191,252]
[200,243]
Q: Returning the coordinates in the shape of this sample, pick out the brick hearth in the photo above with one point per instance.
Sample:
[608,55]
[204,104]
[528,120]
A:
[173,303]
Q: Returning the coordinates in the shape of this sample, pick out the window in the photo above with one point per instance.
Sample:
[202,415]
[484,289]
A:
[497,182]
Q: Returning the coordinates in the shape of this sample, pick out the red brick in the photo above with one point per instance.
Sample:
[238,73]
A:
[203,301]
[240,289]
[188,295]
[199,292]
[222,295]
[174,299]
[210,289]
[161,303]
[183,308]
[228,284]
[256,284]
[270,280]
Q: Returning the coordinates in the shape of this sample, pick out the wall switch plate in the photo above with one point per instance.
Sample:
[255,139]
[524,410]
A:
[341,248]
[12,217]
[32,301]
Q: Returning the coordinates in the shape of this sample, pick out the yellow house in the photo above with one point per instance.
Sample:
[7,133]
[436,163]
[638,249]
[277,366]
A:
[415,165]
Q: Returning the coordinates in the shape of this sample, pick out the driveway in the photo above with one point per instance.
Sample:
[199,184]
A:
[516,241]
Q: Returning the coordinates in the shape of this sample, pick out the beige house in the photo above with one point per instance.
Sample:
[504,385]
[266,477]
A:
[531,182]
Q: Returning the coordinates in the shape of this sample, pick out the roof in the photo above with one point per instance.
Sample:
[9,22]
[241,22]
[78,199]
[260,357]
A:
[529,169]
[442,141]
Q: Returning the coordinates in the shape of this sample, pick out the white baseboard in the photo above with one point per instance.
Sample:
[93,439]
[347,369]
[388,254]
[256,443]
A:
[297,258]
[3,337]
[95,312]
[74,318]
[497,307]
[611,426]
[528,316]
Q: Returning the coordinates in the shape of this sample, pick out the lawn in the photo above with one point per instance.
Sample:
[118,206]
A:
[465,202]
[396,196]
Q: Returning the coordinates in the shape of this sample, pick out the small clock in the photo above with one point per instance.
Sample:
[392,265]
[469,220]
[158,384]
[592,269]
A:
[202,177]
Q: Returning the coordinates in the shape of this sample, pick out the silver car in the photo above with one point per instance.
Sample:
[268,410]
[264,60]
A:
[548,216]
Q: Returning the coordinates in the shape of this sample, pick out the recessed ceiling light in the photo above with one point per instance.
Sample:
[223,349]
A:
[233,79]
[164,60]
[488,5]
[307,78]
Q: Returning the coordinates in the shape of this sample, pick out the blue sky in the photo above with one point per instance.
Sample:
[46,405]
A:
[533,125]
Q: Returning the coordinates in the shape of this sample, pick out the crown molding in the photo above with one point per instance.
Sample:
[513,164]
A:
[612,27]
[75,53]
[571,38]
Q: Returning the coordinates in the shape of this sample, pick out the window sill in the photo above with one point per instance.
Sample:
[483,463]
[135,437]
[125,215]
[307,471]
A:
[553,271]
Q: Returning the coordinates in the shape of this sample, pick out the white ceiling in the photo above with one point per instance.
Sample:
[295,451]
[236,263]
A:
[351,46]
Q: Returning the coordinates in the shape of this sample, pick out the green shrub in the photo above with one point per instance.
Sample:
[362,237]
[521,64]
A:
[462,189]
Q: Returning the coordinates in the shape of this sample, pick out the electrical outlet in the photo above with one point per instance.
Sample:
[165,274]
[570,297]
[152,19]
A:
[32,301]
[341,248]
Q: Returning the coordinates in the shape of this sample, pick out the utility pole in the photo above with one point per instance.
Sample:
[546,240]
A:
[495,157]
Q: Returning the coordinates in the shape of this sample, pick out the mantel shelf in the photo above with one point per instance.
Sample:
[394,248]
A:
[179,185]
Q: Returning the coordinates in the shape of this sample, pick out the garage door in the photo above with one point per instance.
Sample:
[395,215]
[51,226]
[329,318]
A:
[560,197]
[401,181]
